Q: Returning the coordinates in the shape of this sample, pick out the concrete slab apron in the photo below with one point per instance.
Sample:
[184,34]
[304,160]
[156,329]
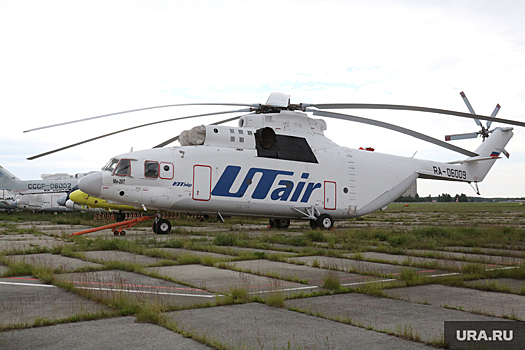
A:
[54,261]
[176,252]
[516,286]
[115,255]
[314,276]
[223,280]
[413,260]
[498,304]
[399,316]
[487,259]
[121,333]
[24,299]
[258,326]
[358,266]
[27,241]
[108,284]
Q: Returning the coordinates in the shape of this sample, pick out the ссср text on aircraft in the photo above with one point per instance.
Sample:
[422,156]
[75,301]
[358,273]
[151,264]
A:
[277,163]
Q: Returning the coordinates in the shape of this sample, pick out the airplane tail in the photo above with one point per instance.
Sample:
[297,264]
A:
[7,179]
[489,151]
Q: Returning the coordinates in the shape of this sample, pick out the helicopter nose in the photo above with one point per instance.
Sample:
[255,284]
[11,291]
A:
[62,200]
[91,184]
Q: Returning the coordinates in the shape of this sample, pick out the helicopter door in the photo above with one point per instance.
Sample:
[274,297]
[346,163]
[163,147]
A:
[54,202]
[201,183]
[330,197]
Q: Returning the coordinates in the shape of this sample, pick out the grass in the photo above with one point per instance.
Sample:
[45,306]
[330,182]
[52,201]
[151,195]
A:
[420,226]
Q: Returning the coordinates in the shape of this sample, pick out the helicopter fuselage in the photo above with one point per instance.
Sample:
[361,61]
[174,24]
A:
[279,166]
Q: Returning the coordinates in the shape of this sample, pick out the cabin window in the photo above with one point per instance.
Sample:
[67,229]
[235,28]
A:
[110,166]
[123,168]
[151,169]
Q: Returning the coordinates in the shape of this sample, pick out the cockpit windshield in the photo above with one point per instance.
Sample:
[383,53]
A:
[110,166]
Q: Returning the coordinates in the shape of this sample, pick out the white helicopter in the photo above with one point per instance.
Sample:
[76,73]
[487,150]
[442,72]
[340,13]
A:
[277,163]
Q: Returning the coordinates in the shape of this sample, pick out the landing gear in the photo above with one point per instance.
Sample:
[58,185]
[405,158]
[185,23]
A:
[162,227]
[324,221]
[279,223]
[119,217]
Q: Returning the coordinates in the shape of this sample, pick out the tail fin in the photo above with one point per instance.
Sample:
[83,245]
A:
[7,180]
[491,148]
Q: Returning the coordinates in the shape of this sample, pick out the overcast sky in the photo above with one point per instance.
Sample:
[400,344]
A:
[66,60]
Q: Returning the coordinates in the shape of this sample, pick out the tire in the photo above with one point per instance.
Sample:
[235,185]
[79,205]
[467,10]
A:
[282,223]
[122,233]
[279,223]
[325,221]
[313,224]
[119,217]
[115,233]
[154,227]
[163,227]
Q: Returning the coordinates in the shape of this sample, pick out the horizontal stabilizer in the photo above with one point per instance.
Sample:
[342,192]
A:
[472,160]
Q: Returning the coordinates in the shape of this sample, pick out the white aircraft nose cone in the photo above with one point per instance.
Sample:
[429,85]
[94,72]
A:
[91,184]
[62,200]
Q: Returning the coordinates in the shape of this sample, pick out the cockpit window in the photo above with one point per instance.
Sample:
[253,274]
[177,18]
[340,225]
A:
[110,166]
[123,168]
[151,169]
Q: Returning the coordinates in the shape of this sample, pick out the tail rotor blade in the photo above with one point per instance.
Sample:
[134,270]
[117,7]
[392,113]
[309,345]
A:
[471,135]
[471,110]
[496,110]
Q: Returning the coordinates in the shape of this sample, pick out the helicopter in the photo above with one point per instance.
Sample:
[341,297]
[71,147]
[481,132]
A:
[277,163]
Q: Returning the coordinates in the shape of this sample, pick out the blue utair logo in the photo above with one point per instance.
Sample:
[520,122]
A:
[228,177]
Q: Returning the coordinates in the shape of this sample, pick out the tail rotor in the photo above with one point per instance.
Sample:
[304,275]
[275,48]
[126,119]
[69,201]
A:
[485,130]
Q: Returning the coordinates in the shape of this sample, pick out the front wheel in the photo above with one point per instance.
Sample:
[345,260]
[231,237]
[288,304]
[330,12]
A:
[325,221]
[163,227]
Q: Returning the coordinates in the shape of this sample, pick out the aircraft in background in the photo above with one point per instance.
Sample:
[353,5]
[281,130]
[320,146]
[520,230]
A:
[37,195]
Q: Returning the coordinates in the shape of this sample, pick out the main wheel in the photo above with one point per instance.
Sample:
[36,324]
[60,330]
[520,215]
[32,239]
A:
[119,217]
[163,227]
[279,223]
[154,226]
[282,223]
[325,221]
[313,224]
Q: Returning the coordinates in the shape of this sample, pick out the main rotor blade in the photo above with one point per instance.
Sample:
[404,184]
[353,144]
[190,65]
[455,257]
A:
[135,127]
[143,109]
[173,139]
[398,129]
[471,135]
[410,108]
